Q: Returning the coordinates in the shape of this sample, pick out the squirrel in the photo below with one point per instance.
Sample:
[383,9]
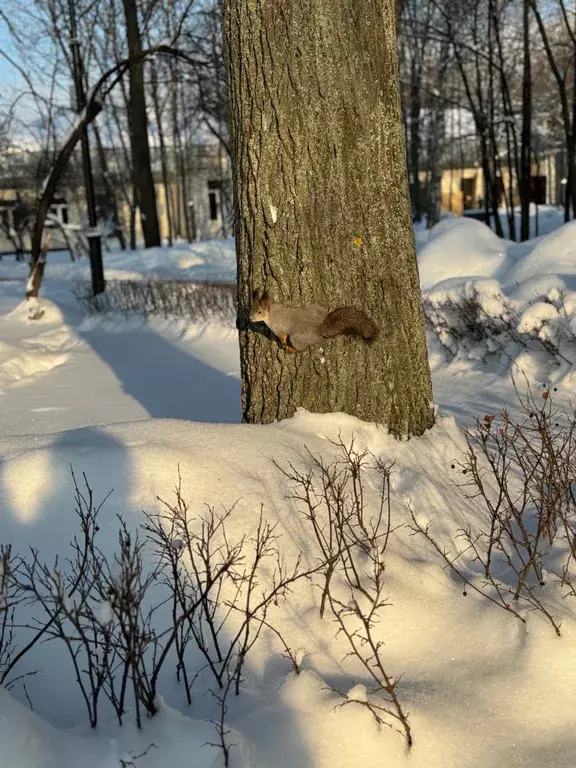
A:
[309,325]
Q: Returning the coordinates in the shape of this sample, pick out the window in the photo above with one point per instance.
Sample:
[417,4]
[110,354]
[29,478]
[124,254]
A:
[469,193]
[214,199]
[538,190]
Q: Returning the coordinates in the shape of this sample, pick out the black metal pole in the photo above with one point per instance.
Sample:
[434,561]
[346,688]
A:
[94,241]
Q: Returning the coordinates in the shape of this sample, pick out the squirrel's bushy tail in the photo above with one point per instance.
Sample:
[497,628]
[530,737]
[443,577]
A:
[348,321]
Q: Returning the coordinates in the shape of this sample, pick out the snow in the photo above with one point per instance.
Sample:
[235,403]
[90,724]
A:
[30,742]
[530,287]
[554,254]
[104,613]
[135,405]
[358,693]
[536,315]
[443,255]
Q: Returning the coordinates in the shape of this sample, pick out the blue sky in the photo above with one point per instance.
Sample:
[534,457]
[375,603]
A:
[8,76]
[12,84]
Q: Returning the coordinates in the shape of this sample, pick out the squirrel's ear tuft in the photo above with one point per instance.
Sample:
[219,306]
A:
[256,294]
[266,297]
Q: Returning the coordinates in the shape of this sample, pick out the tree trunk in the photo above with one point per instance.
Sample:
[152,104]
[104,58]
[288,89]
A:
[505,113]
[525,162]
[176,149]
[398,4]
[110,191]
[415,84]
[183,147]
[37,255]
[138,125]
[490,107]
[162,146]
[133,211]
[437,139]
[435,147]
[323,207]
[564,102]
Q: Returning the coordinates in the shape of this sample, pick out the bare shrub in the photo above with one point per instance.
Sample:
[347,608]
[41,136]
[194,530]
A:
[523,472]
[169,298]
[104,611]
[176,583]
[222,730]
[351,538]
[233,612]
[463,325]
[11,596]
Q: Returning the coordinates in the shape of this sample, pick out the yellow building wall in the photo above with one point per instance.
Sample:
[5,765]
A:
[451,190]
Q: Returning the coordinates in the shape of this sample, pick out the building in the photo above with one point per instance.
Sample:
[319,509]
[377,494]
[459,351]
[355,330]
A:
[194,203]
[461,175]
[462,188]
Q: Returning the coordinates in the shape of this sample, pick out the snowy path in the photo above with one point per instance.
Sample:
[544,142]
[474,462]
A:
[61,373]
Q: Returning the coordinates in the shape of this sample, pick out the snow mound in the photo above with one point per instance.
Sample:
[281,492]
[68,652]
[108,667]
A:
[45,312]
[554,254]
[460,248]
[524,320]
[17,365]
[212,260]
[534,287]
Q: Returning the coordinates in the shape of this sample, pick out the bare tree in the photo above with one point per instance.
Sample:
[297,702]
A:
[567,108]
[138,122]
[101,89]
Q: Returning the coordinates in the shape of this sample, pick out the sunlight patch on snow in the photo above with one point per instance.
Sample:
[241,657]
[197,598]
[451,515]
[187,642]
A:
[27,481]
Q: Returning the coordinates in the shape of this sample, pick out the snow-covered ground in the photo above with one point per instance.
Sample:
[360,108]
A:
[133,404]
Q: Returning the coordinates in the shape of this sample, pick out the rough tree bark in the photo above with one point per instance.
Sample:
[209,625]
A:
[138,125]
[323,206]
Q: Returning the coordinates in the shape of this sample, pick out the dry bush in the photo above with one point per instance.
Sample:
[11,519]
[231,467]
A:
[351,537]
[177,584]
[523,472]
[161,297]
[462,325]
[233,610]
